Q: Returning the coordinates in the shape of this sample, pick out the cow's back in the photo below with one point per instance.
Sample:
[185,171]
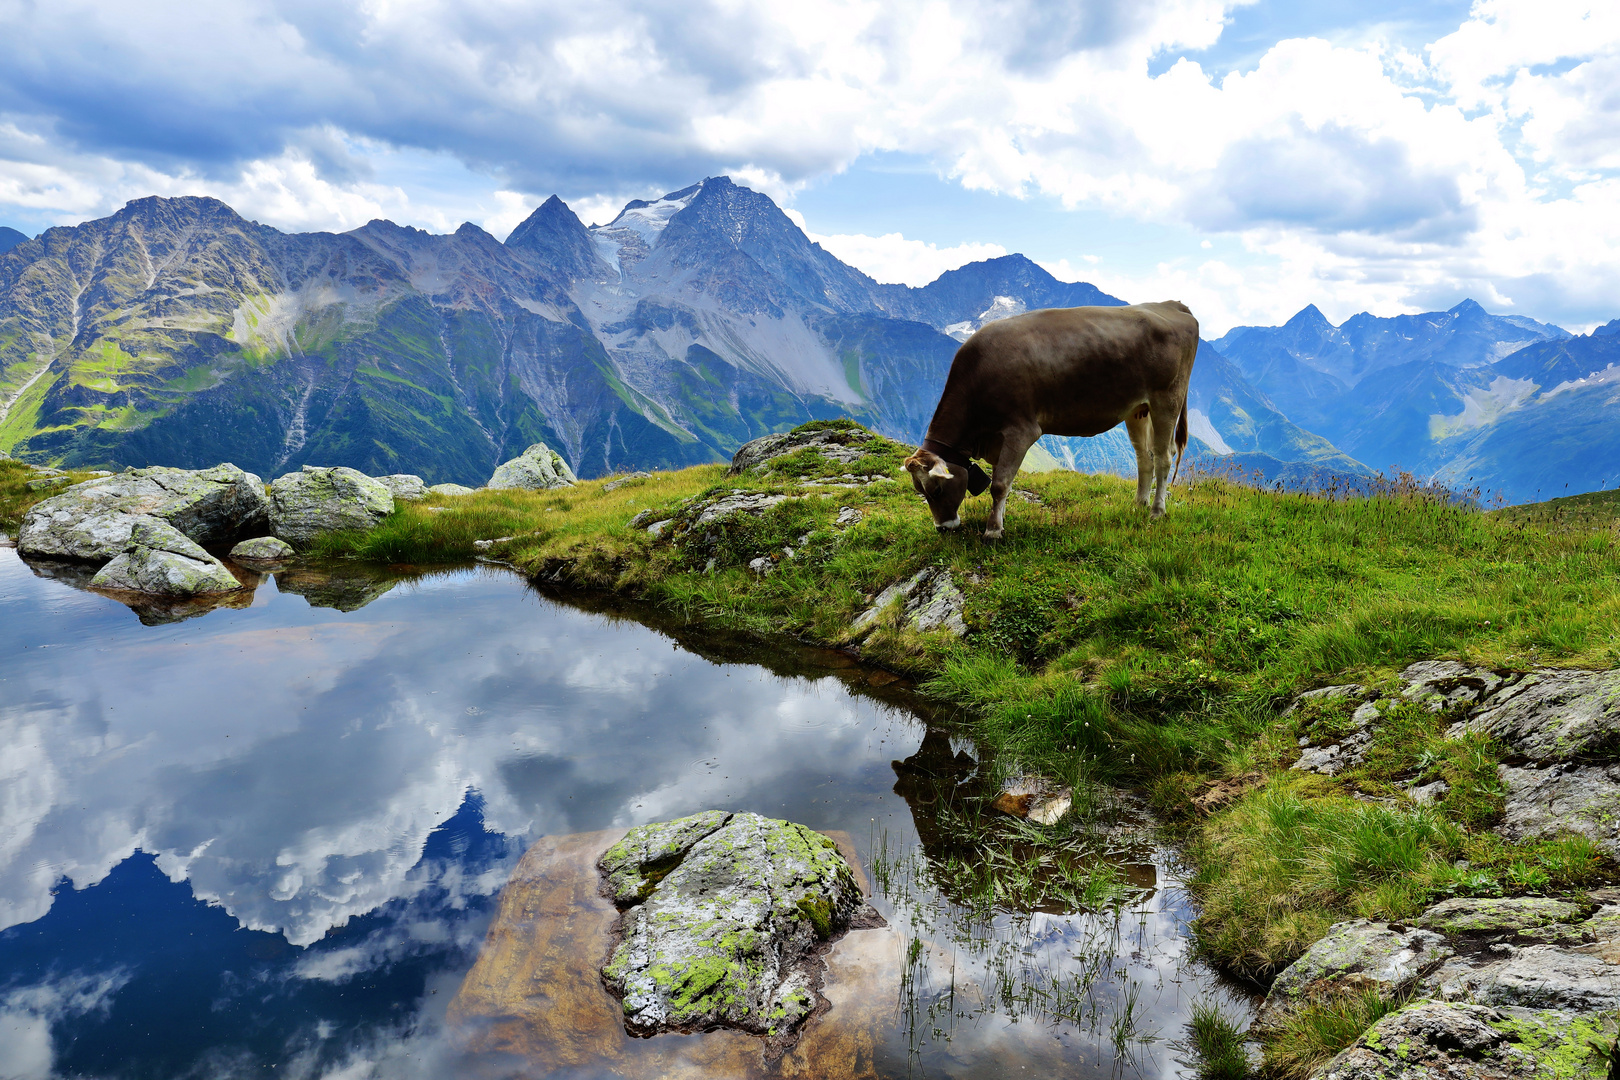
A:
[1073,371]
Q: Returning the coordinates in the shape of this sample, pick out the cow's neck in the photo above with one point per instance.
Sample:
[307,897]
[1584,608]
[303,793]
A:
[952,431]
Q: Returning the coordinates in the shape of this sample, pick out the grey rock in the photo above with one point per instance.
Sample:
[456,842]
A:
[1540,977]
[931,602]
[307,504]
[1357,953]
[485,545]
[1496,915]
[724,923]
[656,529]
[1541,803]
[847,516]
[1441,684]
[1424,794]
[737,502]
[844,445]
[92,520]
[160,559]
[450,489]
[539,468]
[45,482]
[262,550]
[1553,715]
[619,481]
[761,566]
[404,486]
[1433,1040]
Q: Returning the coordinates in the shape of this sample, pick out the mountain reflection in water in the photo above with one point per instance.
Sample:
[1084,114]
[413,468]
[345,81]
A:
[274,836]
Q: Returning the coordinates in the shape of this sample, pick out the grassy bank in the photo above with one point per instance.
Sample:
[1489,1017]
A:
[1157,654]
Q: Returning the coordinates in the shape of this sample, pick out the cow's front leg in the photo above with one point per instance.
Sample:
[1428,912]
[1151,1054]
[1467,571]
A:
[1011,458]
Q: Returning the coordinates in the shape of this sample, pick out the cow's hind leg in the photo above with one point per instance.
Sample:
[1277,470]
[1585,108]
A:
[1164,433]
[1140,428]
[1014,445]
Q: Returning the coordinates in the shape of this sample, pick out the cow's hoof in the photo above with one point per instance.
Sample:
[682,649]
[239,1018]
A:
[1158,512]
[992,534]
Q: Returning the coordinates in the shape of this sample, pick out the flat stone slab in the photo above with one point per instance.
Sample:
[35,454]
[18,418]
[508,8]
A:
[726,913]
[1497,915]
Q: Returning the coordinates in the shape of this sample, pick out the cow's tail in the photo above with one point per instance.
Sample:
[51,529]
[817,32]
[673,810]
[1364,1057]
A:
[1181,441]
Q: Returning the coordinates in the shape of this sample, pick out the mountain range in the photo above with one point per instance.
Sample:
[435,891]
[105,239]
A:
[1517,407]
[177,332]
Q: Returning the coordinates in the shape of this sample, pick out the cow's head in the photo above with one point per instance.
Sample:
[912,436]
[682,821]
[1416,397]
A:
[944,486]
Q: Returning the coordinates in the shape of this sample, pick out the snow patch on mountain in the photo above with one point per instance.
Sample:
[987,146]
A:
[1597,378]
[1200,425]
[1482,406]
[648,219]
[1002,307]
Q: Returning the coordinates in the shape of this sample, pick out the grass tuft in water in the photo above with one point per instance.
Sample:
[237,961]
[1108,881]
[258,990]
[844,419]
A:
[1217,1042]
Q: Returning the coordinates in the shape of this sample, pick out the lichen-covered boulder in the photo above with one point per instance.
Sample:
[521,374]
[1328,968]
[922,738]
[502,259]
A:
[1356,954]
[405,487]
[536,469]
[726,912]
[307,504]
[450,489]
[262,551]
[1540,977]
[1436,1041]
[160,559]
[92,520]
[1541,803]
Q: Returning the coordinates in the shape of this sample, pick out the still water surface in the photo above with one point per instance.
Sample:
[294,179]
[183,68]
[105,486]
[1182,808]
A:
[269,840]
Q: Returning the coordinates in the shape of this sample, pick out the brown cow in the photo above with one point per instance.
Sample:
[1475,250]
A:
[1064,371]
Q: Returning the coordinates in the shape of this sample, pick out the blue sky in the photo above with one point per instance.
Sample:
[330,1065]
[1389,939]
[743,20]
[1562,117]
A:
[1247,158]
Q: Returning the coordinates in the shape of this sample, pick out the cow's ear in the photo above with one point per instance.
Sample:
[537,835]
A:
[941,470]
[914,465]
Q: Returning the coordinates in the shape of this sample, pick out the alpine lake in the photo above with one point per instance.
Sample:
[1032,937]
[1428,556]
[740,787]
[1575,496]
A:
[271,838]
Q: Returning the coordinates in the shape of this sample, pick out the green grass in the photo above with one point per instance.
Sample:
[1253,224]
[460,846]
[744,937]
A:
[1217,1043]
[1321,1027]
[15,498]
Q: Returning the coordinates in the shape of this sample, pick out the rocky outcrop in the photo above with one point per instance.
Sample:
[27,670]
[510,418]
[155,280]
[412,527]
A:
[930,601]
[262,551]
[724,918]
[1551,715]
[404,486]
[160,559]
[536,469]
[1355,955]
[1437,1041]
[841,444]
[307,504]
[92,521]
[1543,802]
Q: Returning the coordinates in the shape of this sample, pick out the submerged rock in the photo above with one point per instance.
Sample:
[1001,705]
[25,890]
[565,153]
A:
[931,602]
[92,520]
[160,559]
[726,915]
[404,486]
[1357,954]
[262,551]
[538,468]
[307,504]
[1436,1041]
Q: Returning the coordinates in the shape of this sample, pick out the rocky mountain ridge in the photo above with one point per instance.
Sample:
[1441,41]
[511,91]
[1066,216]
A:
[177,332]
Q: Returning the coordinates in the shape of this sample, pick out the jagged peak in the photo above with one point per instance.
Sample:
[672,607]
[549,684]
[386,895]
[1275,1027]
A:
[1309,315]
[1467,307]
[1608,329]
[551,217]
